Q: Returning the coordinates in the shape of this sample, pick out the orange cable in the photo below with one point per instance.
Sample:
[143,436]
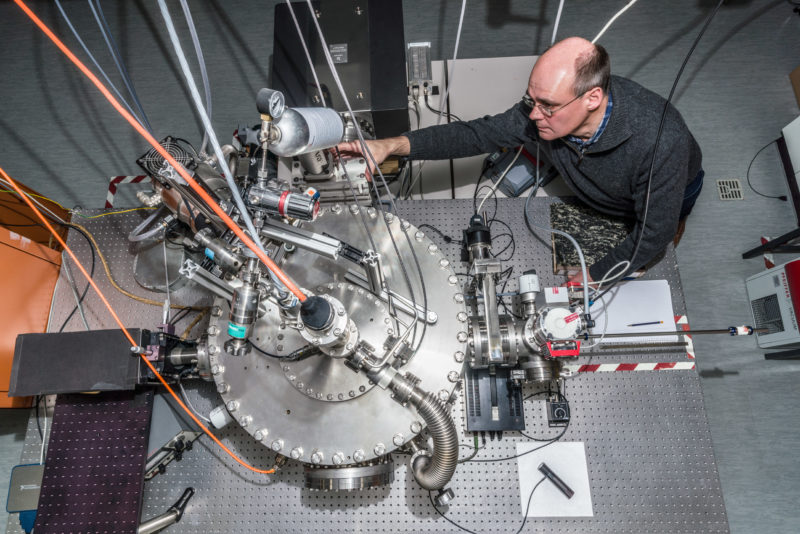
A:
[290,285]
[124,330]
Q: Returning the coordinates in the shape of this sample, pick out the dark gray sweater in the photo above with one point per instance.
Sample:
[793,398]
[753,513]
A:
[610,176]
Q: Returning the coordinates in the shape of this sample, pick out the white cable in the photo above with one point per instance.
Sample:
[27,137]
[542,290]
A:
[365,149]
[308,55]
[608,277]
[558,19]
[198,102]
[202,62]
[529,221]
[443,101]
[189,404]
[500,179]
[611,21]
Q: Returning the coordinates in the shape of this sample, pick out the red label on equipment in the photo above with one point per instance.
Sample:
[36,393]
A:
[555,291]
[569,318]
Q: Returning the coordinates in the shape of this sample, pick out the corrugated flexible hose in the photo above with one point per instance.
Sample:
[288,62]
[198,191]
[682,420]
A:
[435,471]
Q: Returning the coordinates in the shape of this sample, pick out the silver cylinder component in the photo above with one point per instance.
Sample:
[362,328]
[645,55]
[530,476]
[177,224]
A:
[479,346]
[528,289]
[539,370]
[244,310]
[302,130]
[354,477]
[158,523]
[313,162]
[217,250]
[181,355]
[284,203]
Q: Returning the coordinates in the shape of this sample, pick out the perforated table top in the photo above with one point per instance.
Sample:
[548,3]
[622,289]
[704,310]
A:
[649,452]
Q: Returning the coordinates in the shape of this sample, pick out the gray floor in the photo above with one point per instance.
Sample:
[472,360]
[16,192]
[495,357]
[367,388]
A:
[60,138]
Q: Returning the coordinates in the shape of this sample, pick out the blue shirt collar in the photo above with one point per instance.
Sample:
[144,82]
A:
[585,144]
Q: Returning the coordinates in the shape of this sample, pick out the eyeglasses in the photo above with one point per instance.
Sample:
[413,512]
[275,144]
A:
[546,110]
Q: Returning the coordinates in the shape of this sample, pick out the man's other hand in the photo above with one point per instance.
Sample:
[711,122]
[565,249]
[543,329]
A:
[379,148]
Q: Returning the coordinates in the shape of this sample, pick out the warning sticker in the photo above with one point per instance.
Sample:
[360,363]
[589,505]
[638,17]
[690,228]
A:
[338,52]
[569,318]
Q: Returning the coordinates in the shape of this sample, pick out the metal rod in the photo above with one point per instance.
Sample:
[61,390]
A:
[675,333]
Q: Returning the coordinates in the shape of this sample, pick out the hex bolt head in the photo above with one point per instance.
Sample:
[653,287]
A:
[296,453]
[277,445]
[337,332]
[245,420]
[217,369]
[353,208]
[261,434]
[416,427]
[459,356]
[338,458]
[359,456]
[232,405]
[452,376]
[223,387]
[462,337]
[213,349]
[316,457]
[444,395]
[398,439]
[380,449]
[212,330]
[216,311]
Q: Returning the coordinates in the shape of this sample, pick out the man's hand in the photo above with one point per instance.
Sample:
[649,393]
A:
[578,278]
[379,148]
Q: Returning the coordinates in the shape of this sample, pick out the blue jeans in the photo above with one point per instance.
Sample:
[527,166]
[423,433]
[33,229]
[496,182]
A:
[691,193]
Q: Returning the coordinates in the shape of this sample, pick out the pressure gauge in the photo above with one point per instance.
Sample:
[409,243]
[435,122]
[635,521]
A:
[270,102]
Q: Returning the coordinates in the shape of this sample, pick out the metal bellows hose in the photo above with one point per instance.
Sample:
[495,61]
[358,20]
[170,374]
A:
[435,471]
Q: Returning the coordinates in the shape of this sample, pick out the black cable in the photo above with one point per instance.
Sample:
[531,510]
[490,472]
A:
[38,423]
[750,185]
[632,267]
[547,442]
[91,275]
[445,237]
[430,498]
[528,508]
[448,116]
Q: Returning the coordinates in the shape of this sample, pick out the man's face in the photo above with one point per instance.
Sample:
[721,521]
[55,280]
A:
[552,88]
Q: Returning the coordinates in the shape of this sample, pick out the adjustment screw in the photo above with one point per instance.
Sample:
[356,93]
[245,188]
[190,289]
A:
[277,445]
[296,453]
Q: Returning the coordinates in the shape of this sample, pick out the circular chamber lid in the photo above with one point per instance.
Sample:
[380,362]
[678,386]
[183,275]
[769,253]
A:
[319,409]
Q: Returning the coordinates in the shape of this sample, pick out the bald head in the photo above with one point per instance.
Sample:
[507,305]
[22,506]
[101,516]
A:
[577,62]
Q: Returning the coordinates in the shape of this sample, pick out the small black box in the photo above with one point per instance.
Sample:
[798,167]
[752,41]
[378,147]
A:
[557,412]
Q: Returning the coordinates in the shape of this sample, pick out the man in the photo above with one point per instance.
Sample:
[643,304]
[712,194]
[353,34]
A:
[599,132]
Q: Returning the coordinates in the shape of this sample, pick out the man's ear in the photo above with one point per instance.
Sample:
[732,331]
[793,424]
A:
[595,98]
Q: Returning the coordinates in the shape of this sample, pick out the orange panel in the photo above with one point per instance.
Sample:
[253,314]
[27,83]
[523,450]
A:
[28,274]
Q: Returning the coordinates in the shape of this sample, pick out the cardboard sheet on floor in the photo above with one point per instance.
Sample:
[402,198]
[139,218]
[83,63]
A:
[636,301]
[568,461]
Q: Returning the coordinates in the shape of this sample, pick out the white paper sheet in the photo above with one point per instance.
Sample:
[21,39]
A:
[637,301]
[568,461]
